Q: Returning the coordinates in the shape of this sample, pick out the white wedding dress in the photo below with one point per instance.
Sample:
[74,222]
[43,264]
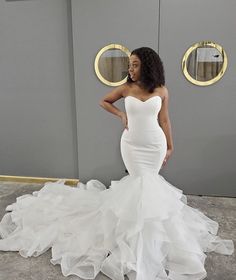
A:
[140,226]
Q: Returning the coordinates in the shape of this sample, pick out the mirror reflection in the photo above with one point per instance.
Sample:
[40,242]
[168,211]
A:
[204,63]
[111,64]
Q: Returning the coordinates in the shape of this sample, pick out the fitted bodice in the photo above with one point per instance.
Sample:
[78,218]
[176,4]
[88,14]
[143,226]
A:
[143,115]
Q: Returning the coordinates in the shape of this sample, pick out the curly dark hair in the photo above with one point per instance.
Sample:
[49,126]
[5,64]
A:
[152,69]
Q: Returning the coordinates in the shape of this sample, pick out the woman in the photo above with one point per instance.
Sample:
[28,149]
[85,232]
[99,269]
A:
[141,225]
[143,83]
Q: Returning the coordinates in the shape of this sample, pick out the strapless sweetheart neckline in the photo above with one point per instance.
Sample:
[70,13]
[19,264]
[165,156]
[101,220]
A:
[145,100]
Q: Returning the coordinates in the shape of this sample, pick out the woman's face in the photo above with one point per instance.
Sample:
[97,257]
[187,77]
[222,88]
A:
[134,67]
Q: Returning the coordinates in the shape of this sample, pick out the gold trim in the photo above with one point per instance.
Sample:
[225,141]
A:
[201,44]
[37,180]
[99,75]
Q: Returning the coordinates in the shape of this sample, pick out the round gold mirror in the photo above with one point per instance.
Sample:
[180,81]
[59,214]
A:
[111,64]
[204,63]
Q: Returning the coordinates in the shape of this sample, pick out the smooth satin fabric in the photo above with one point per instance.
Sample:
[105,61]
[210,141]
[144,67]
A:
[143,145]
[140,226]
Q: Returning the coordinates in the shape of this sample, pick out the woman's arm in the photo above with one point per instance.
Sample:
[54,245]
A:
[164,120]
[111,97]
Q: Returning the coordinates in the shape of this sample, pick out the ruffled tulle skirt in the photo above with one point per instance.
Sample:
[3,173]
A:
[140,226]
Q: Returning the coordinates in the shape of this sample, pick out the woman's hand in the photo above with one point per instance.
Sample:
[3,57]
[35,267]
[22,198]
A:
[124,119]
[168,154]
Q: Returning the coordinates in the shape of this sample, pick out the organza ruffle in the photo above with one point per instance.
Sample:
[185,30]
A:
[140,226]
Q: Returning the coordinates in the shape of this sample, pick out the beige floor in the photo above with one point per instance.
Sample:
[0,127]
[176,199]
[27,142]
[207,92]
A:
[218,267]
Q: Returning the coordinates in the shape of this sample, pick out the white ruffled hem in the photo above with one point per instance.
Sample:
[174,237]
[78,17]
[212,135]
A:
[141,226]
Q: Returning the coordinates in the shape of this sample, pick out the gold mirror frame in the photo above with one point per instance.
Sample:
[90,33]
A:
[99,54]
[202,44]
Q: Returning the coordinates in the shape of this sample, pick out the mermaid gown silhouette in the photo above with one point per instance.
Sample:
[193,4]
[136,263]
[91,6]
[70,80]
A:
[140,226]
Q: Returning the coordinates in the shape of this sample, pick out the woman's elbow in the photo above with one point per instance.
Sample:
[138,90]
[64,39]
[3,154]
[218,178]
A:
[163,119]
[101,103]
[164,122]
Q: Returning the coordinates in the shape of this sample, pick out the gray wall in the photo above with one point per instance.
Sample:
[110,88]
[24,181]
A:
[42,115]
[37,112]
[203,118]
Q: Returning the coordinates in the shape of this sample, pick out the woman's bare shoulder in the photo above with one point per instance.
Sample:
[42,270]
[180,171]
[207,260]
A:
[121,90]
[115,94]
[165,90]
[162,91]
[126,87]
